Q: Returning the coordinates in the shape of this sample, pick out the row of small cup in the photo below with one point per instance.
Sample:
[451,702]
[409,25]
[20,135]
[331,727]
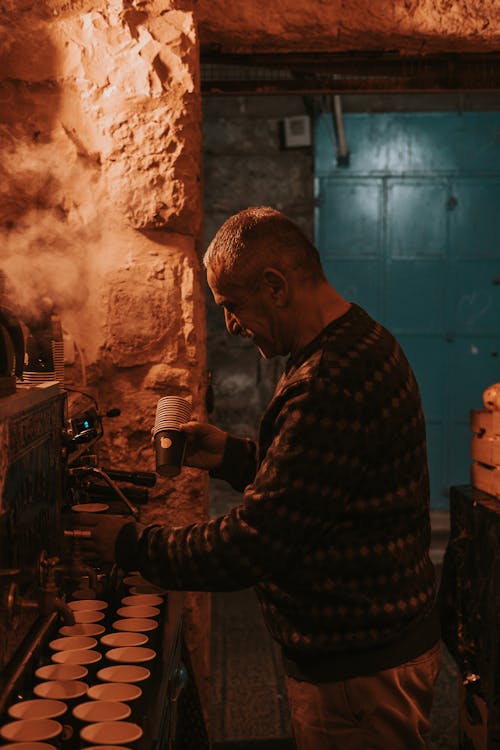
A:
[72,658]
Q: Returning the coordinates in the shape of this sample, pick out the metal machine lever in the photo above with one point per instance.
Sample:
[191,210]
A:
[94,470]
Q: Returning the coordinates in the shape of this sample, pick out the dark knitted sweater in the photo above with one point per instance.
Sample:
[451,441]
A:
[333,530]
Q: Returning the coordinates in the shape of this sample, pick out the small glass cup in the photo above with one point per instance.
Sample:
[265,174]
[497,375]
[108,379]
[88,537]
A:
[129,673]
[83,656]
[114,691]
[130,655]
[90,508]
[94,711]
[87,605]
[72,643]
[88,615]
[83,628]
[44,708]
[112,732]
[61,672]
[126,638]
[141,610]
[150,600]
[37,708]
[135,624]
[65,690]
[31,730]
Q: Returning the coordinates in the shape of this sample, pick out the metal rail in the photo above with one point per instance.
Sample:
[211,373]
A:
[35,642]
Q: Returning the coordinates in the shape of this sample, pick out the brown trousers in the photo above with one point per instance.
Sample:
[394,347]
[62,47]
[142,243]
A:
[386,711]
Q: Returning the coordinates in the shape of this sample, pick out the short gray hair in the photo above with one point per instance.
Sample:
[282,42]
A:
[260,236]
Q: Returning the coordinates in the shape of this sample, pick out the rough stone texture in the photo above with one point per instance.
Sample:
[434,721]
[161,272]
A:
[124,91]
[100,212]
[416,26]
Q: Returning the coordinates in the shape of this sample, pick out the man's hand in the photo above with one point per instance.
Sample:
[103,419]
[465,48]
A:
[205,445]
[104,533]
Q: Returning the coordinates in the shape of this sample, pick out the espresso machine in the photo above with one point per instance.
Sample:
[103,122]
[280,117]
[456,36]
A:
[49,467]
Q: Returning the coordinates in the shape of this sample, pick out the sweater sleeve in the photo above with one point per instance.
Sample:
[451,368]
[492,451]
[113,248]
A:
[238,463]
[264,537]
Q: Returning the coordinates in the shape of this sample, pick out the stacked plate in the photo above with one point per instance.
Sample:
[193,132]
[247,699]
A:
[34,378]
[171,411]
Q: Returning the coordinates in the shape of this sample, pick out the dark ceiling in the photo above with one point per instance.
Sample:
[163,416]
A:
[348,72]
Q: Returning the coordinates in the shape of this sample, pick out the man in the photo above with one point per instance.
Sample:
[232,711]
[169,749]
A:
[333,529]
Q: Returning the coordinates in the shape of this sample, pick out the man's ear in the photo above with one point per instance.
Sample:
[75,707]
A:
[275,284]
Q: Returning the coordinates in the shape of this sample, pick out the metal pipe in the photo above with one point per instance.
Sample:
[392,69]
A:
[36,641]
[82,470]
[342,148]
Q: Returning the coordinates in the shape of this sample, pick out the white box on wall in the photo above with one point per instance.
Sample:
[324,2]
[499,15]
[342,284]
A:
[297,131]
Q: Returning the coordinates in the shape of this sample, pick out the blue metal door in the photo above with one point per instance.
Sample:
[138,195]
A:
[411,231]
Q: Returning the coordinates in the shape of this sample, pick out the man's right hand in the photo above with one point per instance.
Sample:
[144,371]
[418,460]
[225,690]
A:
[205,445]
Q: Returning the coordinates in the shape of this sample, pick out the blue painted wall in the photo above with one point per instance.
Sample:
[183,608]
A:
[411,231]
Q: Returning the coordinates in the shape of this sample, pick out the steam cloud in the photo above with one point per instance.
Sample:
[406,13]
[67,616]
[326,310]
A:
[48,225]
[42,260]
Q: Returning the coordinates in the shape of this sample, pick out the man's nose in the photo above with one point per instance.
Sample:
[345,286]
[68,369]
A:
[232,323]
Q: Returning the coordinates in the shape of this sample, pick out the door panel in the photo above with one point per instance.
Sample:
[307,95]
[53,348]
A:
[417,221]
[429,360]
[474,365]
[475,296]
[474,208]
[351,217]
[411,231]
[425,310]
[357,282]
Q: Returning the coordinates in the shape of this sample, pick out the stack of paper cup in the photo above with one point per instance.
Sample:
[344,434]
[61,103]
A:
[171,411]
[58,358]
[170,442]
[39,364]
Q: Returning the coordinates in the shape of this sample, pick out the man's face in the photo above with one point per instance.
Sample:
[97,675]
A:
[248,313]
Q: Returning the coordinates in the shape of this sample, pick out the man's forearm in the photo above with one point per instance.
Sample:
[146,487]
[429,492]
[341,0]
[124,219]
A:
[239,463]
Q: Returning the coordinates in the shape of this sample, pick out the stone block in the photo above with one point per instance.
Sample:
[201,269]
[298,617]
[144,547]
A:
[144,314]
[127,94]
[240,136]
[283,182]
[168,380]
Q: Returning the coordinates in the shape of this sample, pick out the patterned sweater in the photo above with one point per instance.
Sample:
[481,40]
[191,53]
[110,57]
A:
[333,530]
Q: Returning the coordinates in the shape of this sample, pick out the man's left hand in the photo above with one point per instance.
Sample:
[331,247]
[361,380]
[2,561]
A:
[104,529]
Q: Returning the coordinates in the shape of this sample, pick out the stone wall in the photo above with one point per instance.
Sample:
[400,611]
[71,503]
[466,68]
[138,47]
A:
[409,26]
[100,190]
[245,164]
[100,212]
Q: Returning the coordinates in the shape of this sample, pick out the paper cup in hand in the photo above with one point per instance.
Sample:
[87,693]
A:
[170,442]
